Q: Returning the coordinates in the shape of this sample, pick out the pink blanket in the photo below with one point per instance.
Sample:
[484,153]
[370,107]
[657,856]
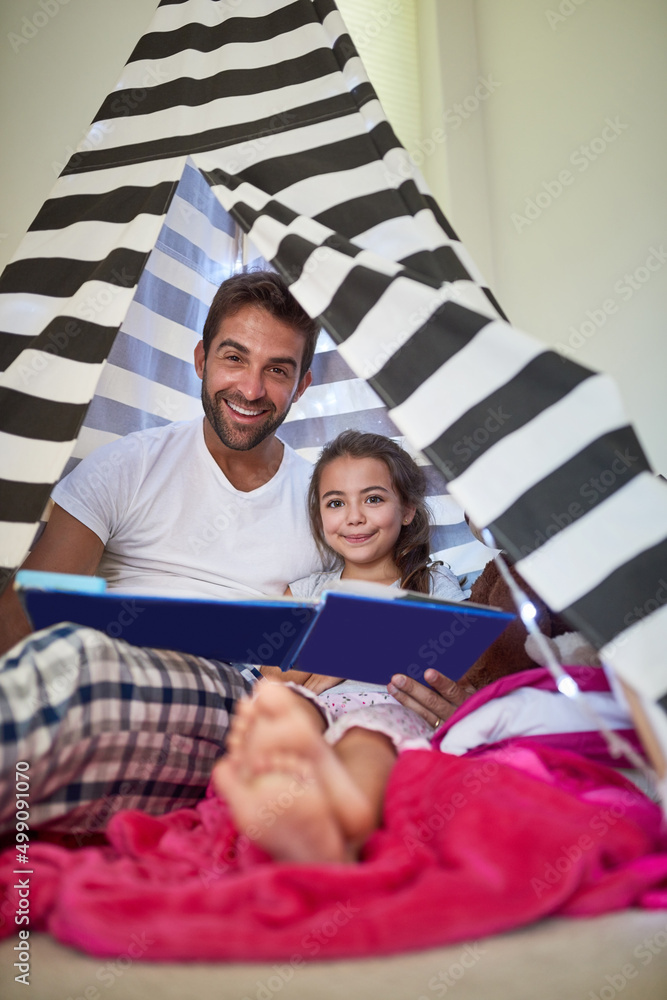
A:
[471,846]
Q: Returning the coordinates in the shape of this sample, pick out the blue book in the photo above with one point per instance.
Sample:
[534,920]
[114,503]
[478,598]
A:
[364,632]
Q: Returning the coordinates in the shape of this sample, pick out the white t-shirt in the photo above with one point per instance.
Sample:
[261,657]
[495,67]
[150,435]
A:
[443,584]
[173,524]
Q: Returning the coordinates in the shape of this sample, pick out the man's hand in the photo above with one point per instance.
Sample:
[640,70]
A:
[434,703]
[14,625]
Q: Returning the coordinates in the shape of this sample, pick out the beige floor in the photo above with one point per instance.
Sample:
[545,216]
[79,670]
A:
[620,954]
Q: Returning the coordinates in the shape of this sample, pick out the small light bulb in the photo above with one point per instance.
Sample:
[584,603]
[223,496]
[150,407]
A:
[528,612]
[567,686]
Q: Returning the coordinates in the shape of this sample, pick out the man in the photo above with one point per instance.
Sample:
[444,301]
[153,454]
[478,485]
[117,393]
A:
[104,725]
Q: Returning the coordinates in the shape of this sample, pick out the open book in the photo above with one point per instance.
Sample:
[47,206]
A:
[360,631]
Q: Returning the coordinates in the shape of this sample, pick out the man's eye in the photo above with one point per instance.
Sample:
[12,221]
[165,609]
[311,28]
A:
[279,371]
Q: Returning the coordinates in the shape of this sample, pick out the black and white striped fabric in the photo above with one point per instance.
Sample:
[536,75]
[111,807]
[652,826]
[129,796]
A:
[262,109]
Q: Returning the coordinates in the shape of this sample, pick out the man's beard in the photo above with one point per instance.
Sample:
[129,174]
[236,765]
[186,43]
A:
[232,436]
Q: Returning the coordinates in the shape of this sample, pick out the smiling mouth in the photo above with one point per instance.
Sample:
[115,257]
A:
[357,539]
[242,411]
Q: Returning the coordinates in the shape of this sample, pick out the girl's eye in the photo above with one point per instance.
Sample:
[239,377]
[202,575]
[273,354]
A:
[374,499]
[335,503]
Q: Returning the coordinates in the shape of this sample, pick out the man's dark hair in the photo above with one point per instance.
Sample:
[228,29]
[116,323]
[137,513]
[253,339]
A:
[267,290]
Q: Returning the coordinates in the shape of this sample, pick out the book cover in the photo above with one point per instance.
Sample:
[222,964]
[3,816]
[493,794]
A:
[362,633]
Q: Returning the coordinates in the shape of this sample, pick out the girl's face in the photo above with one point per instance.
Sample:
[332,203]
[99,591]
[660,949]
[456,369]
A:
[361,512]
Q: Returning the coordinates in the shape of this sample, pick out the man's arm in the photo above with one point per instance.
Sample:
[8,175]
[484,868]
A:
[66,546]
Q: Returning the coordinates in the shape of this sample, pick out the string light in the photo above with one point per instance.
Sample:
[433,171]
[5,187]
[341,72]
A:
[568,686]
[617,745]
[528,612]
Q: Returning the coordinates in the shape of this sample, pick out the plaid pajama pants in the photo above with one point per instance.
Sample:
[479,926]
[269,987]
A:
[97,725]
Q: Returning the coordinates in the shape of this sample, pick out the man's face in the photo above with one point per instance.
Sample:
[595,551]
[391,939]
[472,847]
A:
[250,377]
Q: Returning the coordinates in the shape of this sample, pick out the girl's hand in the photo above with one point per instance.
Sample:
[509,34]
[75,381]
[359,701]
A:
[283,676]
[435,702]
[317,683]
[314,682]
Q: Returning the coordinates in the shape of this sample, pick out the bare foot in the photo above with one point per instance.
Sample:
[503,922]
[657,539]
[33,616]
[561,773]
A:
[282,810]
[285,786]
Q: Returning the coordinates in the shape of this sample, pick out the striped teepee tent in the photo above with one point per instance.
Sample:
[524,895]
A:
[256,116]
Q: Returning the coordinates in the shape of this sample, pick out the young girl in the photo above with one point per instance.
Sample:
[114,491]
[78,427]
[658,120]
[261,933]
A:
[327,759]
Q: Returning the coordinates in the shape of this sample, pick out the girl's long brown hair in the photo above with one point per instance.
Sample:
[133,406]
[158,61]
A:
[412,550]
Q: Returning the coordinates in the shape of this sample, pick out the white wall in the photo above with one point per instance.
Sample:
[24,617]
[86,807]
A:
[57,64]
[559,71]
[552,88]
